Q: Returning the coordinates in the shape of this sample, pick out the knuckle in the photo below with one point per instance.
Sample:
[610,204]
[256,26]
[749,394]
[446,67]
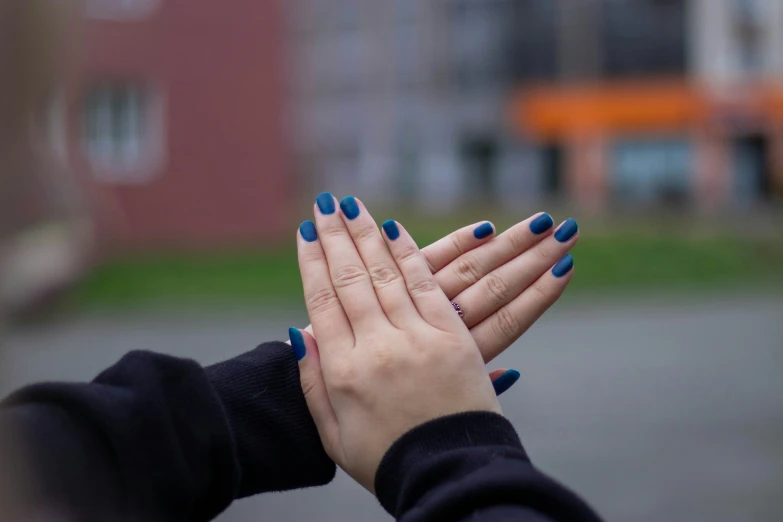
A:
[428,258]
[322,301]
[309,382]
[343,379]
[498,289]
[518,241]
[541,291]
[506,325]
[457,245]
[541,253]
[349,275]
[365,233]
[312,255]
[382,276]
[468,270]
[422,286]
[333,230]
[383,359]
[407,254]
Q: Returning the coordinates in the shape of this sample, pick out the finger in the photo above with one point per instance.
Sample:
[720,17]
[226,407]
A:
[495,374]
[503,284]
[497,332]
[467,269]
[503,379]
[349,275]
[447,249]
[385,276]
[308,329]
[429,299]
[323,306]
[314,388]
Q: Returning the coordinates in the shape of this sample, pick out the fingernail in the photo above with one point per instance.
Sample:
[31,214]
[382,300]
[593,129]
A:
[308,231]
[566,230]
[541,224]
[483,230]
[298,345]
[349,207]
[563,266]
[505,381]
[390,227]
[325,203]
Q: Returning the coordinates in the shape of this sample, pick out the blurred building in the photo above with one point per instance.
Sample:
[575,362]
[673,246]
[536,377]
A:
[596,102]
[404,101]
[177,118]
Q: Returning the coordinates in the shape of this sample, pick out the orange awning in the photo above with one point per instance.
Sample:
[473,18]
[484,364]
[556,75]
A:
[553,111]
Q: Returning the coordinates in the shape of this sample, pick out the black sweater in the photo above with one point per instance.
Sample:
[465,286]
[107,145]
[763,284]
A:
[158,438]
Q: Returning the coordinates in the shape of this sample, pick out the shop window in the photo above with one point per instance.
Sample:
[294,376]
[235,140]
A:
[654,170]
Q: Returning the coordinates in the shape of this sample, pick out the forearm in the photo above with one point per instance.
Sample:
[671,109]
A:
[160,438]
[470,467]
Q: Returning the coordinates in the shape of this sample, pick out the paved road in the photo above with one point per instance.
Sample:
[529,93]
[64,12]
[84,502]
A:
[652,411]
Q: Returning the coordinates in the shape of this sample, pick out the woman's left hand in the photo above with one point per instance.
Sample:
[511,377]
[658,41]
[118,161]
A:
[392,353]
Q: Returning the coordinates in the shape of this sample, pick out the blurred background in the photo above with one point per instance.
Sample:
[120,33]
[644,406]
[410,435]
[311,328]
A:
[156,157]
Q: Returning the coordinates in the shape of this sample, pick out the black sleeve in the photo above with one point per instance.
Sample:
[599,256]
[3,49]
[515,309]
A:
[156,437]
[470,466]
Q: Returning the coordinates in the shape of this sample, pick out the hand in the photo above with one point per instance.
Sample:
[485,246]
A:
[392,353]
[503,284]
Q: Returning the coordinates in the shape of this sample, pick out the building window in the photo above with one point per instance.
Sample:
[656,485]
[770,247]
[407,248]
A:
[644,37]
[477,44]
[653,170]
[122,131]
[749,28]
[120,9]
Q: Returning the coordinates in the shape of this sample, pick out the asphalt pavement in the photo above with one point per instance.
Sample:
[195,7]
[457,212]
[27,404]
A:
[670,409]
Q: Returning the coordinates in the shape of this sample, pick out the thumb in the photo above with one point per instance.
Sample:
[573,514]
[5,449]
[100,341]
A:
[311,377]
[503,379]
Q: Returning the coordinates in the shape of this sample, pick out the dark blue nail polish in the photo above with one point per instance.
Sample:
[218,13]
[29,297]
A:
[483,230]
[307,229]
[325,203]
[563,266]
[297,343]
[349,207]
[541,224]
[505,381]
[566,230]
[390,227]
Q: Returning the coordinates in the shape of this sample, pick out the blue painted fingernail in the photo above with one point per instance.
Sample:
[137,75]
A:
[390,227]
[297,343]
[505,381]
[308,231]
[566,230]
[563,266]
[541,224]
[349,207]
[483,230]
[325,203]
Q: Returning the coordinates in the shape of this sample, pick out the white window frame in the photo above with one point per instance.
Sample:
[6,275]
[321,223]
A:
[142,156]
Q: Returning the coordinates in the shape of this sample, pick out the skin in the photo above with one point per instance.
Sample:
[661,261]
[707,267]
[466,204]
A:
[391,352]
[503,283]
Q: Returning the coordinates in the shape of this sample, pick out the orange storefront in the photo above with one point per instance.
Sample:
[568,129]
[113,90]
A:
[732,139]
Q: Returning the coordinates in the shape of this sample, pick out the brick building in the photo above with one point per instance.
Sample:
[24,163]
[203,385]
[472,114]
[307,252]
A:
[176,116]
[677,102]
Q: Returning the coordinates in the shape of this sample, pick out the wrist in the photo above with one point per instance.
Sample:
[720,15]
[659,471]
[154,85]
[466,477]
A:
[276,441]
[457,443]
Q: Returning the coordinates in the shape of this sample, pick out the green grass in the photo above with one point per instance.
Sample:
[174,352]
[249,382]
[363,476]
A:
[608,262]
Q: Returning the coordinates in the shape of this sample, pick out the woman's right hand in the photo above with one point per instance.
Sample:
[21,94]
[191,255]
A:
[392,353]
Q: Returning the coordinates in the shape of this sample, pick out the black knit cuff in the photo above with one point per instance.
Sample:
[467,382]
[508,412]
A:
[278,446]
[415,461]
